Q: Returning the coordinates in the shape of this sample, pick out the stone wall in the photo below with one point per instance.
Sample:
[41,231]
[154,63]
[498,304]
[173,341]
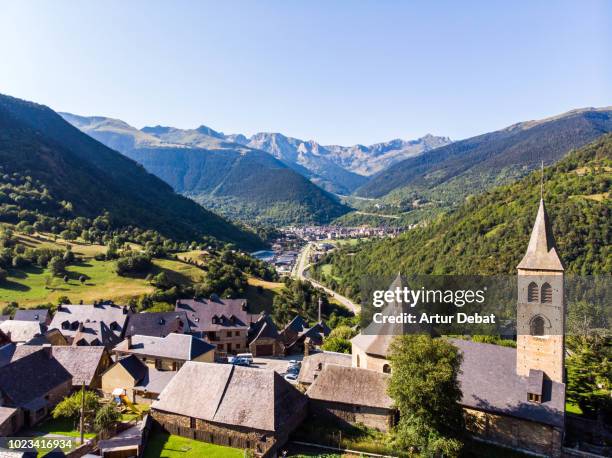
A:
[231,436]
[514,432]
[381,419]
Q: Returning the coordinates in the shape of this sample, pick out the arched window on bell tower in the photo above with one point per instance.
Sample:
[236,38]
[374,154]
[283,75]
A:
[537,326]
[532,292]
[546,293]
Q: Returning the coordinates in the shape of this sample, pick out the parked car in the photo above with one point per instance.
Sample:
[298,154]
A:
[240,361]
[293,370]
[247,356]
[291,377]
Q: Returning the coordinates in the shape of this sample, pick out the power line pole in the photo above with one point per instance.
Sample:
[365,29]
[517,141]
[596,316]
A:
[82,422]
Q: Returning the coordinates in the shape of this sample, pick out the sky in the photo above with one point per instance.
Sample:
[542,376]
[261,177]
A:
[338,72]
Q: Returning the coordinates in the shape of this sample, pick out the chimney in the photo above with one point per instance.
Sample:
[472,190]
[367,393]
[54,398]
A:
[244,306]
[129,342]
[125,310]
[320,304]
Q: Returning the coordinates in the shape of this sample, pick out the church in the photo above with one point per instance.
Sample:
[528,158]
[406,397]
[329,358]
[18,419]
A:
[514,397]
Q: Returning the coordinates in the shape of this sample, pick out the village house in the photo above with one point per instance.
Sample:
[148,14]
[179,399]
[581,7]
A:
[166,353]
[513,397]
[241,407]
[224,323]
[31,385]
[264,339]
[43,316]
[21,331]
[129,378]
[298,334]
[351,395]
[85,364]
[313,365]
[156,324]
[95,325]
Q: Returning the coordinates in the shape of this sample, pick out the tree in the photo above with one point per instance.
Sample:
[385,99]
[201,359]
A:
[56,266]
[339,340]
[70,407]
[106,418]
[426,391]
[3,275]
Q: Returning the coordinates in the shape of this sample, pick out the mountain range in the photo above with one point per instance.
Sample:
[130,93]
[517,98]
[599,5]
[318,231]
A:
[91,179]
[450,173]
[236,180]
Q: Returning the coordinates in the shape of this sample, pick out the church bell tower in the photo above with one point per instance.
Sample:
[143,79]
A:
[541,305]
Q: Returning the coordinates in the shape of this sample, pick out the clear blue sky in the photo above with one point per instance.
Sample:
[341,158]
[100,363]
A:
[341,72]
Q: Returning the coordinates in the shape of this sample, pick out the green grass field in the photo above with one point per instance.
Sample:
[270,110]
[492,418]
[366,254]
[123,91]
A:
[164,445]
[33,286]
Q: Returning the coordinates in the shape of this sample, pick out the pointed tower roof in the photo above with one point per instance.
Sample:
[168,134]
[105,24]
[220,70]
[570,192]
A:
[541,252]
[377,338]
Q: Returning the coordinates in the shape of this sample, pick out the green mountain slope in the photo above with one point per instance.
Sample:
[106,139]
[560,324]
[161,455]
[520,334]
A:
[35,141]
[238,181]
[446,175]
[489,233]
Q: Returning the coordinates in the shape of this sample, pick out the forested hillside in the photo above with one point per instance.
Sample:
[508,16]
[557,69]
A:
[444,176]
[79,176]
[489,233]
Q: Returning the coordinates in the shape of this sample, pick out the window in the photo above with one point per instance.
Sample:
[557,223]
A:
[537,326]
[358,361]
[220,346]
[534,397]
[546,293]
[192,422]
[532,292]
[237,333]
[387,369]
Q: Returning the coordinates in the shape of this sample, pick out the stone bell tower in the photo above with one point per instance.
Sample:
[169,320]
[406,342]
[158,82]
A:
[541,305]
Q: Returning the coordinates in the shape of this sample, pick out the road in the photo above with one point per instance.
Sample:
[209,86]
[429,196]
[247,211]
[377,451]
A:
[299,271]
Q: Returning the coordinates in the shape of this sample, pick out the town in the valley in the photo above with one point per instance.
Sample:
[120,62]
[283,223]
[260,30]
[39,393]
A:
[215,372]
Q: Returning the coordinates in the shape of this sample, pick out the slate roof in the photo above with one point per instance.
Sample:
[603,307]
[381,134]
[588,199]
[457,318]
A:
[156,324]
[136,368]
[263,328]
[252,398]
[351,385]
[81,362]
[313,364]
[102,324]
[40,315]
[21,331]
[30,378]
[11,352]
[155,381]
[489,382]
[541,252]
[183,347]
[216,314]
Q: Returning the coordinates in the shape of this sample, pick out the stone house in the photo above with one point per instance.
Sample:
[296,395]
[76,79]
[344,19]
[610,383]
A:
[351,395]
[34,384]
[21,331]
[132,378]
[85,364]
[42,316]
[264,339]
[224,323]
[166,353]
[298,334]
[156,324]
[230,405]
[98,324]
[313,365]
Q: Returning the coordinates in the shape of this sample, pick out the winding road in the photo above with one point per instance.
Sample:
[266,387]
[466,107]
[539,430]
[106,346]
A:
[299,272]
